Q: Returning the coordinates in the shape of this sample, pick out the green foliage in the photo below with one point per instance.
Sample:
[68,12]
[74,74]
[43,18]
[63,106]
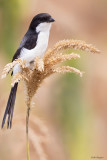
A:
[10,11]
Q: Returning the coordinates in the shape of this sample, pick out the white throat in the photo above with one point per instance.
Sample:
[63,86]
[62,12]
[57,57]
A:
[43,27]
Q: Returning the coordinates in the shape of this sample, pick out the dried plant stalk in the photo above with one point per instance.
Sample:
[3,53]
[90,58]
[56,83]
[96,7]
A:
[65,69]
[39,135]
[61,58]
[27,132]
[17,77]
[71,44]
[45,67]
[10,66]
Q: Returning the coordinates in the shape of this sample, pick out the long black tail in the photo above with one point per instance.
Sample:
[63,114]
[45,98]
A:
[10,107]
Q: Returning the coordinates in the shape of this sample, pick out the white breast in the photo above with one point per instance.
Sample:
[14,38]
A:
[42,43]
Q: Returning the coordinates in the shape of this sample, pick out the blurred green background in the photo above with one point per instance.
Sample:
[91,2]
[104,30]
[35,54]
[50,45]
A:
[73,109]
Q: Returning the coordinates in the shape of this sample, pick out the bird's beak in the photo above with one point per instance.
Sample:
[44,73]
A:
[51,20]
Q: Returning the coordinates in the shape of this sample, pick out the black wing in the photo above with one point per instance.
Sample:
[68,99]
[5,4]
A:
[16,55]
[29,42]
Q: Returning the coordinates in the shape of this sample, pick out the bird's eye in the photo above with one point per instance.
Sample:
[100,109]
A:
[44,19]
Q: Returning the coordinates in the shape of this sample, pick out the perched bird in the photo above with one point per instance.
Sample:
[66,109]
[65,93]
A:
[33,44]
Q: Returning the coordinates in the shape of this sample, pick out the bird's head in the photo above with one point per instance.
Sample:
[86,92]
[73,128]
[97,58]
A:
[41,22]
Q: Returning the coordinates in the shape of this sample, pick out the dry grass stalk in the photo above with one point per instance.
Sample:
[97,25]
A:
[17,78]
[61,58]
[65,69]
[39,135]
[71,44]
[43,68]
[10,66]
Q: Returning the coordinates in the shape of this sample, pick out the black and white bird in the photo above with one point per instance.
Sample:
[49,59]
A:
[33,44]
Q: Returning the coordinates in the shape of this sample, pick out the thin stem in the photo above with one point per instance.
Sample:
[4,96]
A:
[27,132]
